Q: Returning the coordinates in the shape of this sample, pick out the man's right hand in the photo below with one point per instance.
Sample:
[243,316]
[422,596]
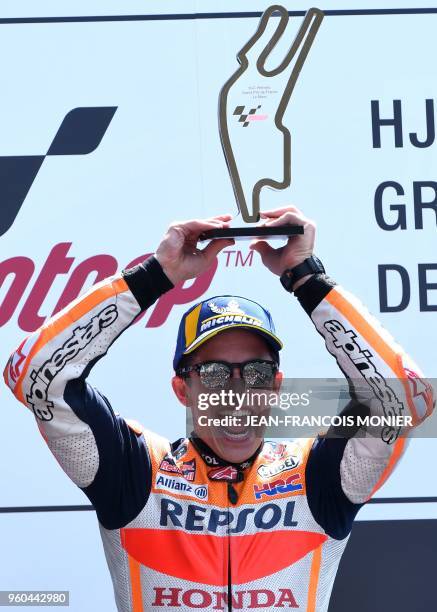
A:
[178,253]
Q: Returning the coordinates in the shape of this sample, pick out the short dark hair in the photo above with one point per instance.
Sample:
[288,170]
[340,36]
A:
[185,361]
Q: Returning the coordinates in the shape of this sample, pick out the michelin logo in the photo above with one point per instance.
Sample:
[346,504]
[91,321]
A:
[223,319]
[231,313]
[179,485]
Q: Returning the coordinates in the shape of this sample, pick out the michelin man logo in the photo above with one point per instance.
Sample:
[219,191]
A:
[232,307]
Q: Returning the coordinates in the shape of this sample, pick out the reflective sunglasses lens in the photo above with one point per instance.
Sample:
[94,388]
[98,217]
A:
[214,375]
[258,374]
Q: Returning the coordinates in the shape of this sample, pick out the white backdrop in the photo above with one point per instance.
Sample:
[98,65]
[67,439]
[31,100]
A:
[160,159]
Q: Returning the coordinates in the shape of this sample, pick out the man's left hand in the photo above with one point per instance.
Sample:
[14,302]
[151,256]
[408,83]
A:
[298,247]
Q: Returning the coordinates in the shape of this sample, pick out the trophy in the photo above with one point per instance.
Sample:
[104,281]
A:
[252,103]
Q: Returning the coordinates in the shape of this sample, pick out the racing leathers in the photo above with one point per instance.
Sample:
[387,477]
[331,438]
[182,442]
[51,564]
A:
[180,527]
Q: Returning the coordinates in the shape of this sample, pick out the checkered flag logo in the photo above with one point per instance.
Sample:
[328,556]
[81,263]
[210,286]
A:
[245,118]
[80,133]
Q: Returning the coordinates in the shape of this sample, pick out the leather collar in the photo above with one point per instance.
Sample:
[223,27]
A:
[222,469]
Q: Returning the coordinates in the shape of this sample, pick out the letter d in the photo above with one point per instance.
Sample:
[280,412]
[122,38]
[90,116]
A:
[383,294]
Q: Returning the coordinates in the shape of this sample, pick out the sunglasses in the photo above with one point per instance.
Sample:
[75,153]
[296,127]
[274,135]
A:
[216,374]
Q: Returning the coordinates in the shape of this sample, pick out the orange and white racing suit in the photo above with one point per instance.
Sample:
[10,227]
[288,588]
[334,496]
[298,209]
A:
[180,527]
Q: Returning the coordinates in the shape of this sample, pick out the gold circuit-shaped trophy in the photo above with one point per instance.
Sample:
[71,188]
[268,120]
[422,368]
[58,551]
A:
[252,103]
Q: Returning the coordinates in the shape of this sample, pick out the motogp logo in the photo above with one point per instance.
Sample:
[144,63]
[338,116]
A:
[80,133]
[247,117]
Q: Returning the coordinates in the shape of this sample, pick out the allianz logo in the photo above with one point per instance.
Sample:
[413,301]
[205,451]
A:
[178,485]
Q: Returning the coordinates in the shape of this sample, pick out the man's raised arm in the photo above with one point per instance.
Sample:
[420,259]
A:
[48,371]
[97,449]
[384,381]
[344,472]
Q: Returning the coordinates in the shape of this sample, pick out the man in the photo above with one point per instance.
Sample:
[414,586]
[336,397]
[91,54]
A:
[217,521]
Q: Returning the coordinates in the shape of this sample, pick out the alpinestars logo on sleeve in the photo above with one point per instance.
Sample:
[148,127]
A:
[80,133]
[346,339]
[38,397]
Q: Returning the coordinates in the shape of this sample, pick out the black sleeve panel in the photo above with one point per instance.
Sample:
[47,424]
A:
[147,281]
[311,293]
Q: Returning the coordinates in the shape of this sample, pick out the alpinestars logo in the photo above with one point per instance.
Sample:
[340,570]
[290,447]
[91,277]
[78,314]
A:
[248,117]
[80,133]
[224,472]
[362,360]
[42,378]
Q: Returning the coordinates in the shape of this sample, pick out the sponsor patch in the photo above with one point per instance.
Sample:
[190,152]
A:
[15,365]
[225,472]
[421,392]
[278,487]
[187,469]
[232,307]
[218,320]
[181,486]
[267,471]
[261,517]
[218,600]
[273,451]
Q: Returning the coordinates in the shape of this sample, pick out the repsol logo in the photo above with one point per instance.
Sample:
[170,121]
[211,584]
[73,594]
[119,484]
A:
[191,517]
[217,600]
[346,340]
[81,337]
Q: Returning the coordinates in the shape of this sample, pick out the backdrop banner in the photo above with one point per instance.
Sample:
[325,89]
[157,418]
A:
[110,131]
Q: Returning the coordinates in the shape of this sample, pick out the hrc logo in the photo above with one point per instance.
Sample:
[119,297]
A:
[277,487]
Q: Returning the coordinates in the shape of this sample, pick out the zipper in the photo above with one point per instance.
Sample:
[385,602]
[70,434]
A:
[232,498]
[229,575]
